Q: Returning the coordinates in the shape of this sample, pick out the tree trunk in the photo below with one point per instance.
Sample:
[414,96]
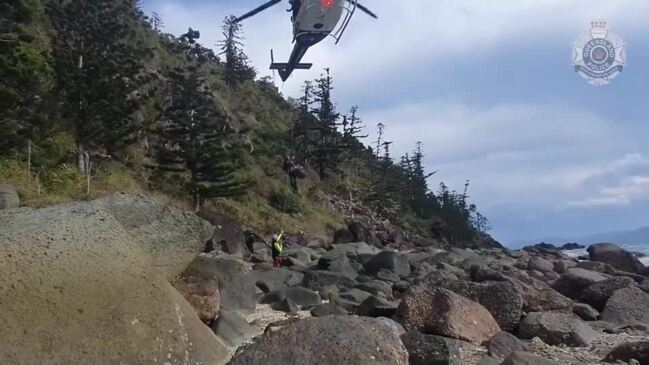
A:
[197,202]
[81,162]
[29,159]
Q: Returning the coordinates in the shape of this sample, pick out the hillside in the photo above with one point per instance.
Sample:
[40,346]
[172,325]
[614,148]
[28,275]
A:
[97,99]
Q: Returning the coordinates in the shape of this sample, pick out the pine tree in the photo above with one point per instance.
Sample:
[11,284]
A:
[197,146]
[156,21]
[26,78]
[420,200]
[99,66]
[237,68]
[327,149]
[303,124]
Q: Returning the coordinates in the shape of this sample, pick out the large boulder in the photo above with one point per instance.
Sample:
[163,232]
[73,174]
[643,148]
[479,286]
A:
[274,279]
[504,344]
[627,306]
[557,328]
[236,283]
[597,294]
[540,264]
[375,306]
[502,299]
[638,351]
[338,264]
[376,287]
[360,231]
[442,312]
[331,340]
[343,235]
[318,279]
[202,294]
[8,197]
[300,296]
[388,260]
[227,232]
[538,297]
[233,329]
[574,280]
[585,312]
[430,349]
[616,256]
[97,275]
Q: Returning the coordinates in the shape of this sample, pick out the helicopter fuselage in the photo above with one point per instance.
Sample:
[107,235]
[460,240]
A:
[315,20]
[317,17]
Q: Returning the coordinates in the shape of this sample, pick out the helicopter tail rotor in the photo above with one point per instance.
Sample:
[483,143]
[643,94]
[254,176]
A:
[258,10]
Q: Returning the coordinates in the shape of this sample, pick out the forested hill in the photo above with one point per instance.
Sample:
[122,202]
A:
[95,97]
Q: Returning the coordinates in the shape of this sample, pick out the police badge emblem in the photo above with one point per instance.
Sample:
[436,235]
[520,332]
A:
[599,55]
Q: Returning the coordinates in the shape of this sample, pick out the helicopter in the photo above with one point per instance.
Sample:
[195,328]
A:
[313,21]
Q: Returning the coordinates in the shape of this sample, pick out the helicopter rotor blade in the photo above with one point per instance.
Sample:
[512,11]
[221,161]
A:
[258,10]
[366,10]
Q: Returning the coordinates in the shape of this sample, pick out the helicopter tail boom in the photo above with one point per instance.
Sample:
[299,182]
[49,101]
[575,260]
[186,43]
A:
[283,66]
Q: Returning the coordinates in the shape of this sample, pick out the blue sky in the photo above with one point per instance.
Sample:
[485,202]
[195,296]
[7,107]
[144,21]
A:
[487,86]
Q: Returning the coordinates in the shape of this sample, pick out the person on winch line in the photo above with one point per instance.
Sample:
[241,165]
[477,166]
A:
[276,247]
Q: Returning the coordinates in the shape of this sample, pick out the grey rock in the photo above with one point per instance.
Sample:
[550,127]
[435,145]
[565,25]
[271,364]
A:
[504,344]
[627,306]
[585,312]
[8,197]
[388,260]
[354,295]
[300,296]
[557,328]
[502,299]
[626,352]
[360,231]
[616,256]
[430,349]
[376,287]
[339,264]
[374,306]
[560,266]
[332,340]
[540,264]
[318,279]
[597,294]
[574,280]
[285,305]
[388,275]
[237,285]
[274,279]
[89,283]
[227,233]
[328,309]
[343,235]
[233,329]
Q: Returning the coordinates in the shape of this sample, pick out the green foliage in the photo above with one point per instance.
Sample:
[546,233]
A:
[63,183]
[237,69]
[25,76]
[284,200]
[99,63]
[195,135]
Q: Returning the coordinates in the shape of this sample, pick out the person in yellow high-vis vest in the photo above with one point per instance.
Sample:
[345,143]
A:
[276,249]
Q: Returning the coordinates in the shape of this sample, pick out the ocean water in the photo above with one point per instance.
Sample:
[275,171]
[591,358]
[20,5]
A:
[633,248]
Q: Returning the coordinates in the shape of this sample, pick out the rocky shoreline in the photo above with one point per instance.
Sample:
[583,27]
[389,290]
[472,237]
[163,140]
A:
[103,270]
[447,305]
